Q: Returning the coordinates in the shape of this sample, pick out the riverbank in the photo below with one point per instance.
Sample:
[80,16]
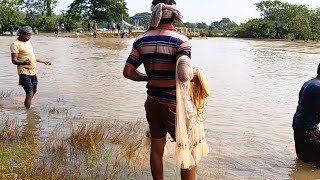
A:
[109,34]
[98,150]
[100,34]
[104,150]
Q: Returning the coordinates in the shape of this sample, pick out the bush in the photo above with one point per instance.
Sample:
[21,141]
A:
[45,23]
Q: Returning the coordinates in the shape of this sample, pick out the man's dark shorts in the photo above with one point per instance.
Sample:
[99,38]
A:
[161,118]
[29,83]
[308,146]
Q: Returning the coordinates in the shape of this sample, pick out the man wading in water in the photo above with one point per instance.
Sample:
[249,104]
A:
[306,121]
[22,55]
[159,49]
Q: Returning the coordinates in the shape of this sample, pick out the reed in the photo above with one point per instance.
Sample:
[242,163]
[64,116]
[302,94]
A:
[87,137]
[10,132]
[88,151]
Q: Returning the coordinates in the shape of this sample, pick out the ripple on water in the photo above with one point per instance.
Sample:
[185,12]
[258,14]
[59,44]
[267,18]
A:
[254,86]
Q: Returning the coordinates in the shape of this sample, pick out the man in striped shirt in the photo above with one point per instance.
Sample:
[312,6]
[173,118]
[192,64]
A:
[158,50]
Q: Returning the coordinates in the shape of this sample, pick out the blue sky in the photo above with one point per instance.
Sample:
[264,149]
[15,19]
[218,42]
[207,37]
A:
[206,11]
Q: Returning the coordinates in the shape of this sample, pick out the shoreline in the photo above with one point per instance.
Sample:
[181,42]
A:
[108,34]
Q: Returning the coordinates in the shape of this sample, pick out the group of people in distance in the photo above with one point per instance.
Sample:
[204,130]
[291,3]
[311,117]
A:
[159,49]
[59,27]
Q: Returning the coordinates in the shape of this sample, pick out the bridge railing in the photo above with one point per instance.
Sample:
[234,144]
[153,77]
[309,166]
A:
[194,32]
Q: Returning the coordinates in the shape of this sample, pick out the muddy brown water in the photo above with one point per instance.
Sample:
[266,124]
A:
[254,86]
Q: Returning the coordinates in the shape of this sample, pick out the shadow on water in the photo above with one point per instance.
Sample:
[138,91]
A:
[303,171]
[31,129]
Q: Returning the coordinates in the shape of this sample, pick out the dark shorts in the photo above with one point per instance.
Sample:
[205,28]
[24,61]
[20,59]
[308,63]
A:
[29,83]
[308,146]
[161,118]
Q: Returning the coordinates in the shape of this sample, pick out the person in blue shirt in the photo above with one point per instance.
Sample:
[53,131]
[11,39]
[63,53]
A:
[306,121]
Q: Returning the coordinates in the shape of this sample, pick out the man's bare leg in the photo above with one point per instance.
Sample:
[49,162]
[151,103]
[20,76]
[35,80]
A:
[156,155]
[188,174]
[28,100]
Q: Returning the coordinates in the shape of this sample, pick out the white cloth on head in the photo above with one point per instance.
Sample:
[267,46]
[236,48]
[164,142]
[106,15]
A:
[162,10]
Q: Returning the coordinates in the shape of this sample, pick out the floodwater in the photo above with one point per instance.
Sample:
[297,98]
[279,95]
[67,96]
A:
[254,86]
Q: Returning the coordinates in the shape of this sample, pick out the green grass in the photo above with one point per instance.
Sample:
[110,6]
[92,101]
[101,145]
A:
[107,150]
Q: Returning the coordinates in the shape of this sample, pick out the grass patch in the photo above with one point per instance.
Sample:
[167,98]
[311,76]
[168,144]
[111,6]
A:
[82,151]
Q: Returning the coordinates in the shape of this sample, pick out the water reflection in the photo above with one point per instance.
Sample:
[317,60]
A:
[303,171]
[31,126]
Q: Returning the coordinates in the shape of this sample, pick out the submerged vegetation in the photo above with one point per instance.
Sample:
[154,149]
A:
[90,151]
[75,148]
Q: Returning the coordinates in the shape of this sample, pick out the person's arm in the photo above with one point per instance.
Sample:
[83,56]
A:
[43,61]
[133,62]
[185,71]
[133,74]
[16,61]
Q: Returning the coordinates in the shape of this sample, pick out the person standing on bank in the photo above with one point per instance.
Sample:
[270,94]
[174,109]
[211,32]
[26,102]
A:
[306,122]
[159,49]
[22,55]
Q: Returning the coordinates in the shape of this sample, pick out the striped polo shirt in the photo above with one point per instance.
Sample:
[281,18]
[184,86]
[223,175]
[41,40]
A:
[158,50]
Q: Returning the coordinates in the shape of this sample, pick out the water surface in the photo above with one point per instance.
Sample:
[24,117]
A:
[254,86]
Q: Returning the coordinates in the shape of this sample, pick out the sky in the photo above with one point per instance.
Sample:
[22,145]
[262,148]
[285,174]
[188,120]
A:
[206,11]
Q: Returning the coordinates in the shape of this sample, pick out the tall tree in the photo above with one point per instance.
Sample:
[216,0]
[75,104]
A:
[10,17]
[315,24]
[300,22]
[141,18]
[98,10]
[223,25]
[277,15]
[38,7]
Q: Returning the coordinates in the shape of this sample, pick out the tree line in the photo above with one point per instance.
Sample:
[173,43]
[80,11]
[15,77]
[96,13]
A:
[281,20]
[216,28]
[278,20]
[40,13]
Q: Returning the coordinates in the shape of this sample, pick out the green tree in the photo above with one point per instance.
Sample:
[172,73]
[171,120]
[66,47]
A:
[189,25]
[45,23]
[10,17]
[281,20]
[224,25]
[277,14]
[38,7]
[39,13]
[202,25]
[300,23]
[315,24]
[98,10]
[254,28]
[141,18]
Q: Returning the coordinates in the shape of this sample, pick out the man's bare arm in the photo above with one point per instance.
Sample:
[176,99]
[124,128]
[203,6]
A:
[43,61]
[133,74]
[16,61]
[184,70]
